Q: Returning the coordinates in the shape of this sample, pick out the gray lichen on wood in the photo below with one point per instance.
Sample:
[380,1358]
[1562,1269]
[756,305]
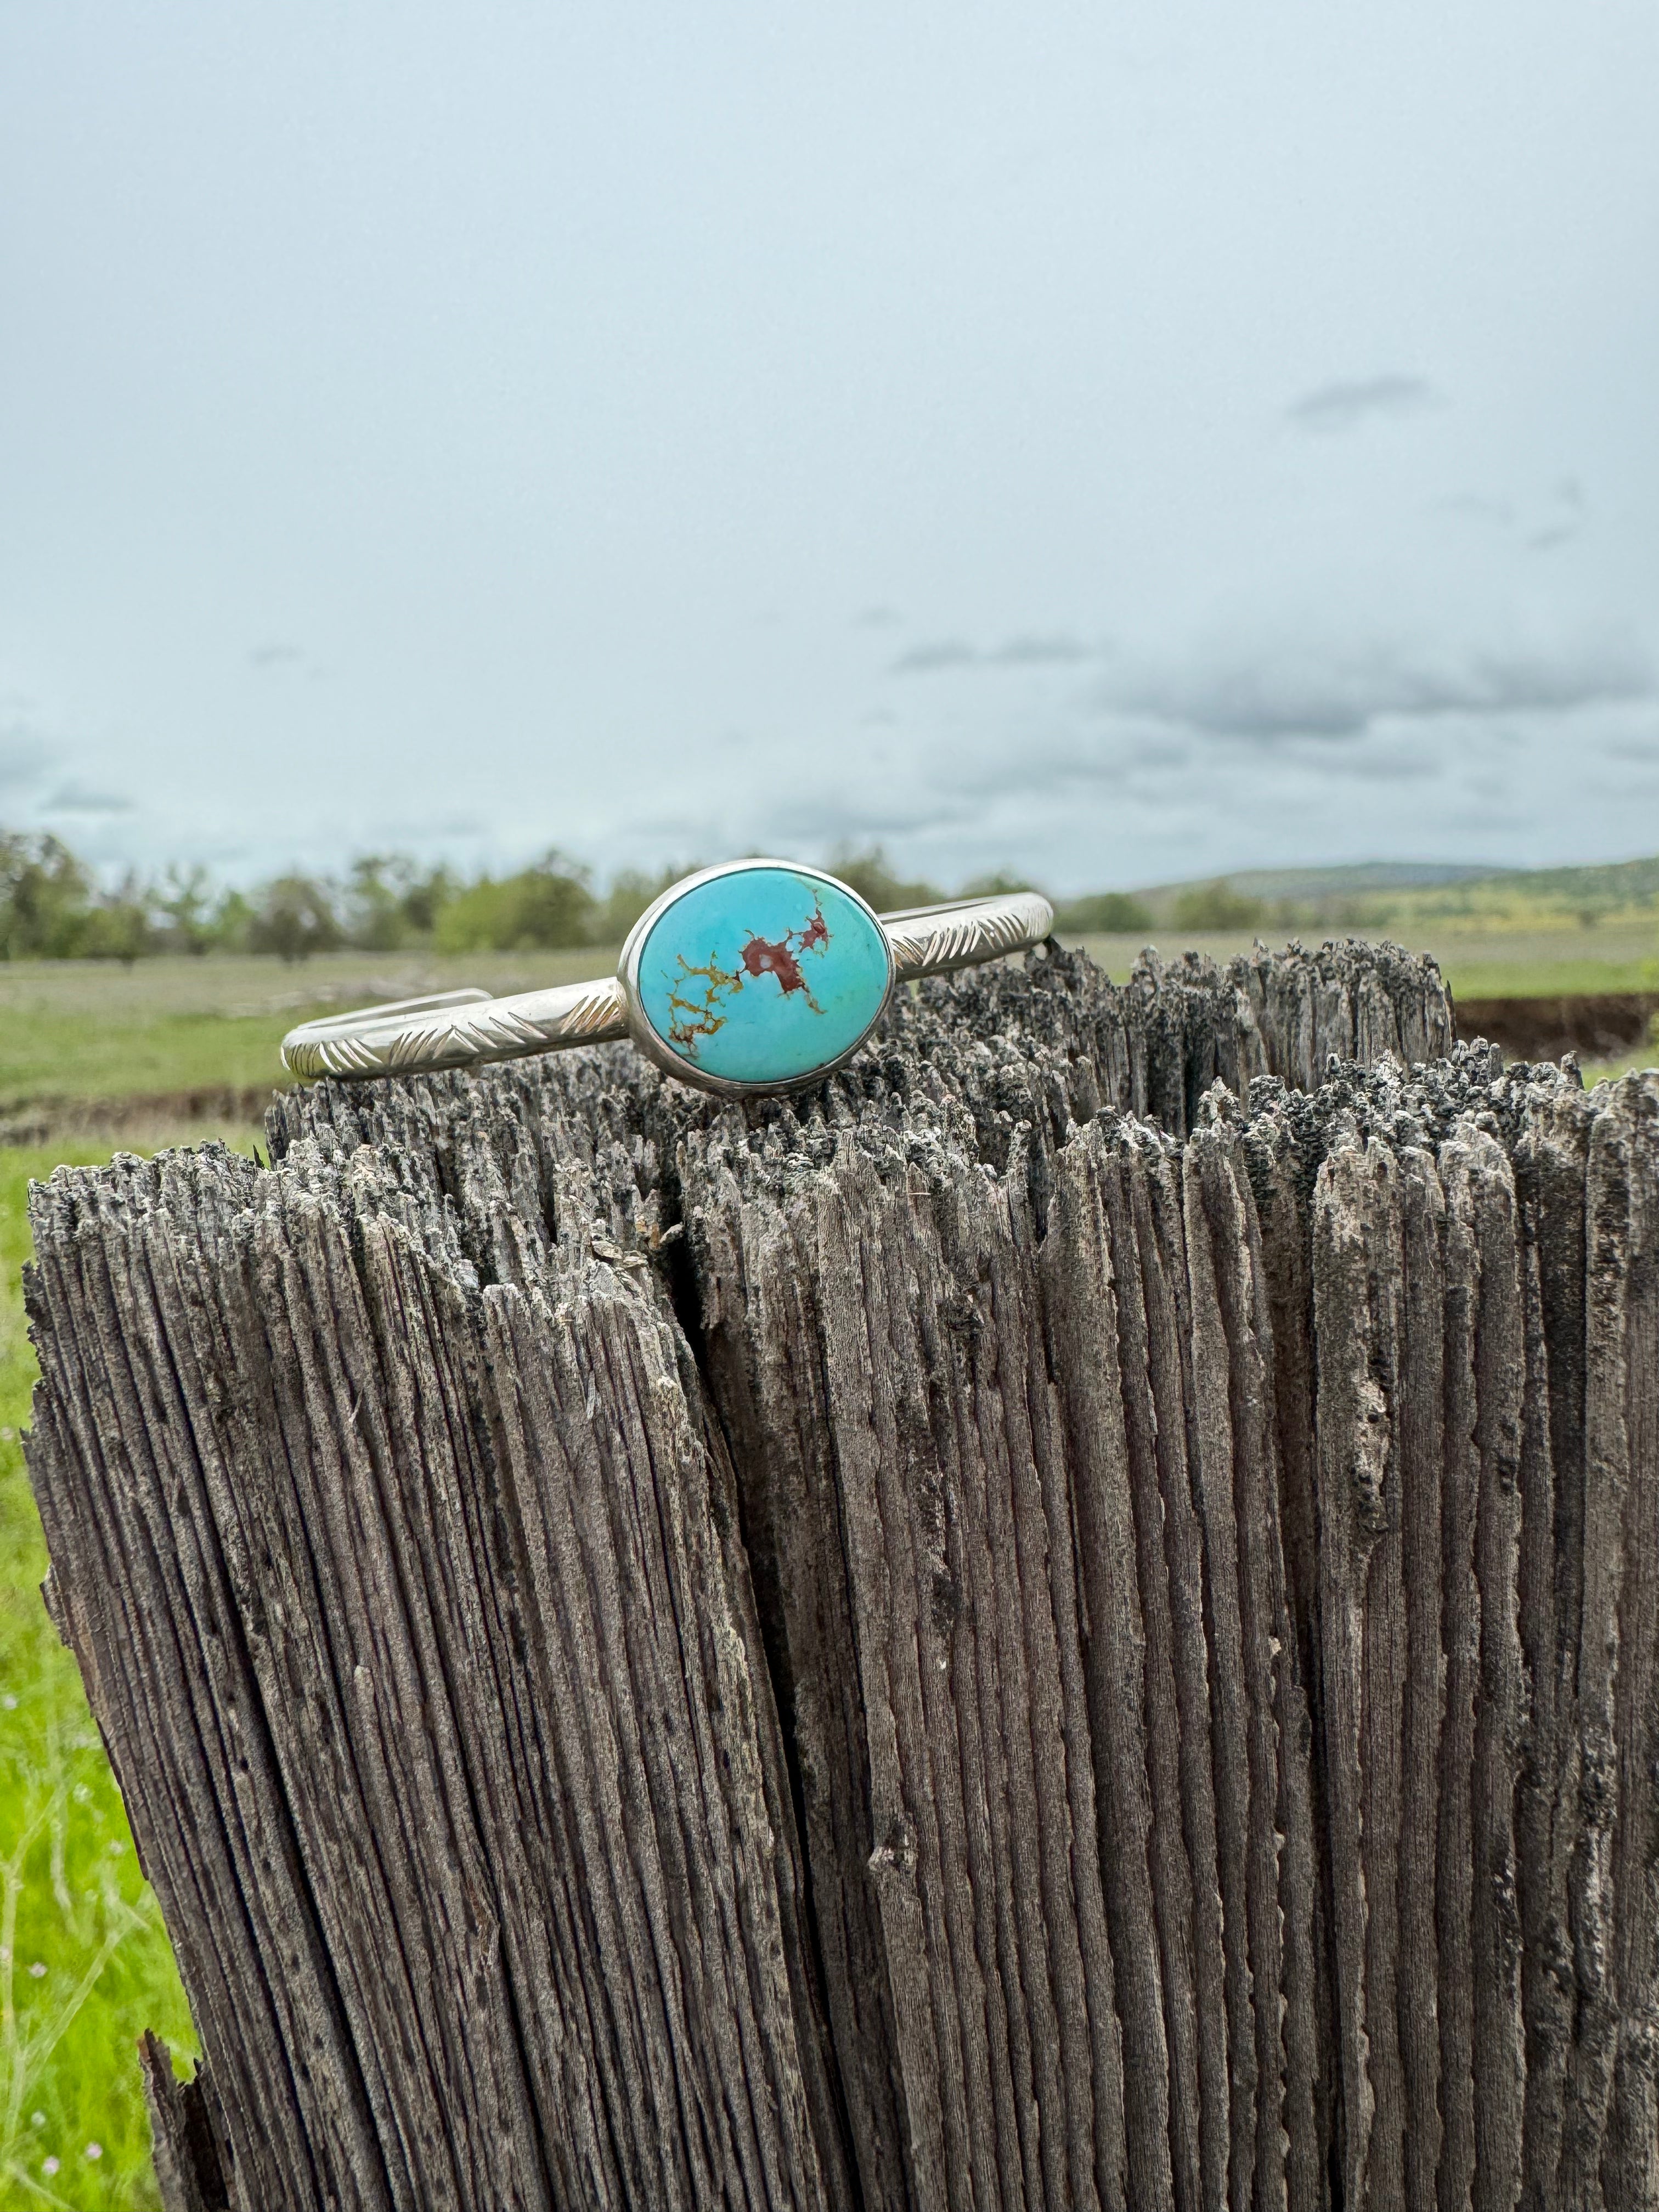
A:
[1069,1621]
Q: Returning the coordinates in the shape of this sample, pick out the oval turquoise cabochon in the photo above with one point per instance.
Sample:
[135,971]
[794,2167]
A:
[763,975]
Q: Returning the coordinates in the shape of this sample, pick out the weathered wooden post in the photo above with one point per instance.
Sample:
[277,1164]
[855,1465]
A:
[1032,1632]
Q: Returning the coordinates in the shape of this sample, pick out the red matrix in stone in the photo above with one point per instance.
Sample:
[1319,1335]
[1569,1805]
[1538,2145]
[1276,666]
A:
[760,956]
[762,959]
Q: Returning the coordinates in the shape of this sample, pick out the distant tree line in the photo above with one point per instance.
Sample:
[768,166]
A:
[53,906]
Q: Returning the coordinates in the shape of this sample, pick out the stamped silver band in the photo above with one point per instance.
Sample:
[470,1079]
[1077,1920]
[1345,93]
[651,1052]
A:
[458,1029]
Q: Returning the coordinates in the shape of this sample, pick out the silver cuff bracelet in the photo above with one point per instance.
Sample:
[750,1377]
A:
[757,976]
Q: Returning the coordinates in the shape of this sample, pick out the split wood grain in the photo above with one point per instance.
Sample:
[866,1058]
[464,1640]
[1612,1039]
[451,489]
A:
[185,2137]
[525,1928]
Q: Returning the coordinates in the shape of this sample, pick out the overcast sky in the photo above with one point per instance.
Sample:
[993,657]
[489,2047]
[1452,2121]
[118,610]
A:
[1115,441]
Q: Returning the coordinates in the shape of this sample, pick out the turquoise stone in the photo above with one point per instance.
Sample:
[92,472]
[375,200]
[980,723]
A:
[764,976]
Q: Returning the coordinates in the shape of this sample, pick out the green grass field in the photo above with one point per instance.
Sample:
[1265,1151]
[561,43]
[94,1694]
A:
[84,1961]
[92,1030]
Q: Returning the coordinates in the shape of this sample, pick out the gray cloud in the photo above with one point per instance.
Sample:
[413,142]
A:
[877,617]
[274,655]
[1571,512]
[1344,405]
[1273,696]
[1205,771]
[1555,518]
[1477,506]
[1123,760]
[1254,752]
[940,652]
[1221,750]
[1024,650]
[76,798]
[1156,756]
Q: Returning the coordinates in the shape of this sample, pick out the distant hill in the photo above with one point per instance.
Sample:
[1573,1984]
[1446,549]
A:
[1356,875]
[1373,894]
[1625,883]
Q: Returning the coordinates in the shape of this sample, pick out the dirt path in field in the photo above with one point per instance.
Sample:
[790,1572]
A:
[49,1118]
[1605,1027]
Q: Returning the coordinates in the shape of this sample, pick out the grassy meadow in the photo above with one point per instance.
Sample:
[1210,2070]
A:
[84,1962]
[96,1056]
[85,1031]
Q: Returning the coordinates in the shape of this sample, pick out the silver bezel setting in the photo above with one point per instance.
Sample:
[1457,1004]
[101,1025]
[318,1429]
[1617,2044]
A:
[663,1053]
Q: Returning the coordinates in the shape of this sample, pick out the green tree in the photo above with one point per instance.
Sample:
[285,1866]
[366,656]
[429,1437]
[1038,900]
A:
[375,918]
[544,907]
[45,895]
[293,917]
[869,875]
[231,923]
[425,896]
[1103,913]
[184,901]
[391,901]
[631,891]
[994,884]
[118,925]
[1218,906]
